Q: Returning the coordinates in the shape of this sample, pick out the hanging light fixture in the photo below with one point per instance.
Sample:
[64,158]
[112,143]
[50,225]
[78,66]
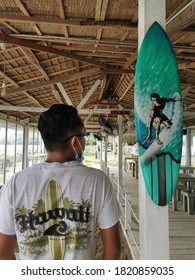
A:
[3,86]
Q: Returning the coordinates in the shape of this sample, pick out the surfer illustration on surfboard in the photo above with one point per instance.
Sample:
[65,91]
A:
[157,116]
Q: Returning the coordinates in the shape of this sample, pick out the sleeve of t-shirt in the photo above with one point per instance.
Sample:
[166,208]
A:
[110,211]
[6,210]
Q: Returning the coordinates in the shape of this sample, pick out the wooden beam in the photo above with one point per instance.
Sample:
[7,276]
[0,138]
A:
[111,24]
[80,87]
[9,26]
[182,19]
[76,40]
[126,116]
[28,53]
[43,109]
[64,93]
[98,9]
[32,59]
[26,13]
[130,84]
[88,41]
[89,116]
[32,45]
[56,94]
[62,16]
[89,48]
[185,91]
[53,81]
[8,104]
[11,81]
[101,7]
[186,65]
[132,58]
[103,85]
[90,92]
[188,114]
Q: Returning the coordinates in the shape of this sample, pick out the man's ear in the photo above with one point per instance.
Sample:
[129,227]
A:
[74,141]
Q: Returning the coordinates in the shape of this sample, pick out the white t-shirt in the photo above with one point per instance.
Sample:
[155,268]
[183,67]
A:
[54,209]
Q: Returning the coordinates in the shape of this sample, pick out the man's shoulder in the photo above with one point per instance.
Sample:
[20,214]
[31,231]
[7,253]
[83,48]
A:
[92,170]
[28,170]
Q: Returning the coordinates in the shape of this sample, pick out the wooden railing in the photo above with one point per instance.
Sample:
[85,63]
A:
[128,220]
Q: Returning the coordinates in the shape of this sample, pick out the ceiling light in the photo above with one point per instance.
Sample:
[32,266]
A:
[3,89]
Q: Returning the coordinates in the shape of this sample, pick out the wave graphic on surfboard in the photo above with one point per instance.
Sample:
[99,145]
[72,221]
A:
[167,136]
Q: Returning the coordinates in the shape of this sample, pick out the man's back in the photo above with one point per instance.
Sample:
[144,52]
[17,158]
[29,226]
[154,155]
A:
[58,201]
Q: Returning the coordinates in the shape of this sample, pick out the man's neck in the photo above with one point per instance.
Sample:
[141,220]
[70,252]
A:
[58,157]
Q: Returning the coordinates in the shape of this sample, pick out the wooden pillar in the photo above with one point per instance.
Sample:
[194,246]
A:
[188,147]
[120,151]
[25,146]
[105,152]
[5,155]
[154,227]
[101,147]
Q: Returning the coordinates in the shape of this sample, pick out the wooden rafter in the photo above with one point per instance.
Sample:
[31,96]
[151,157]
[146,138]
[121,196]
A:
[88,41]
[80,88]
[27,52]
[62,16]
[31,45]
[26,13]
[181,19]
[101,7]
[186,65]
[104,49]
[11,81]
[32,58]
[76,40]
[91,91]
[81,111]
[111,24]
[127,89]
[103,86]
[53,81]
[132,58]
[100,36]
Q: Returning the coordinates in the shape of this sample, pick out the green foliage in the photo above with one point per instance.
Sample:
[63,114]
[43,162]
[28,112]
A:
[130,140]
[91,141]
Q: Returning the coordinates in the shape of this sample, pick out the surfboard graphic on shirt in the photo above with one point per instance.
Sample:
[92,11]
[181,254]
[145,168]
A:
[56,221]
[56,228]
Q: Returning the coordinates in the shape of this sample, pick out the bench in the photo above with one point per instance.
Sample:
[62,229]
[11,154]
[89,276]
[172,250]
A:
[188,201]
[177,197]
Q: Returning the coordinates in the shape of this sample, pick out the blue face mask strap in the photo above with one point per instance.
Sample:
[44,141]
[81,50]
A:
[77,157]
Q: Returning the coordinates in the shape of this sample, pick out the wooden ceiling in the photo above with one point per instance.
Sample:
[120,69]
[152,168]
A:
[83,52]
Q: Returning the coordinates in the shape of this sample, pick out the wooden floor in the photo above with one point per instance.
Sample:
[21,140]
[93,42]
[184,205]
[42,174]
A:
[181,225]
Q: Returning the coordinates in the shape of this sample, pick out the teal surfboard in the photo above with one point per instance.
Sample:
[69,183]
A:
[158,115]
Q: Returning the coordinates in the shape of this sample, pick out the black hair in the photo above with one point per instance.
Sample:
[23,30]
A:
[57,124]
[155,95]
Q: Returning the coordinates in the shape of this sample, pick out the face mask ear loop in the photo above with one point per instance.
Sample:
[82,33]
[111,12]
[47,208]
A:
[80,145]
[75,151]
[80,148]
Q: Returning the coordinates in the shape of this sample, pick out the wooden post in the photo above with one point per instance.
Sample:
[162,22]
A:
[154,226]
[101,147]
[120,151]
[25,146]
[188,147]
[105,153]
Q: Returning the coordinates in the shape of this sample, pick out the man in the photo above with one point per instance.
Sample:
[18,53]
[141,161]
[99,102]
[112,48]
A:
[157,116]
[51,209]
